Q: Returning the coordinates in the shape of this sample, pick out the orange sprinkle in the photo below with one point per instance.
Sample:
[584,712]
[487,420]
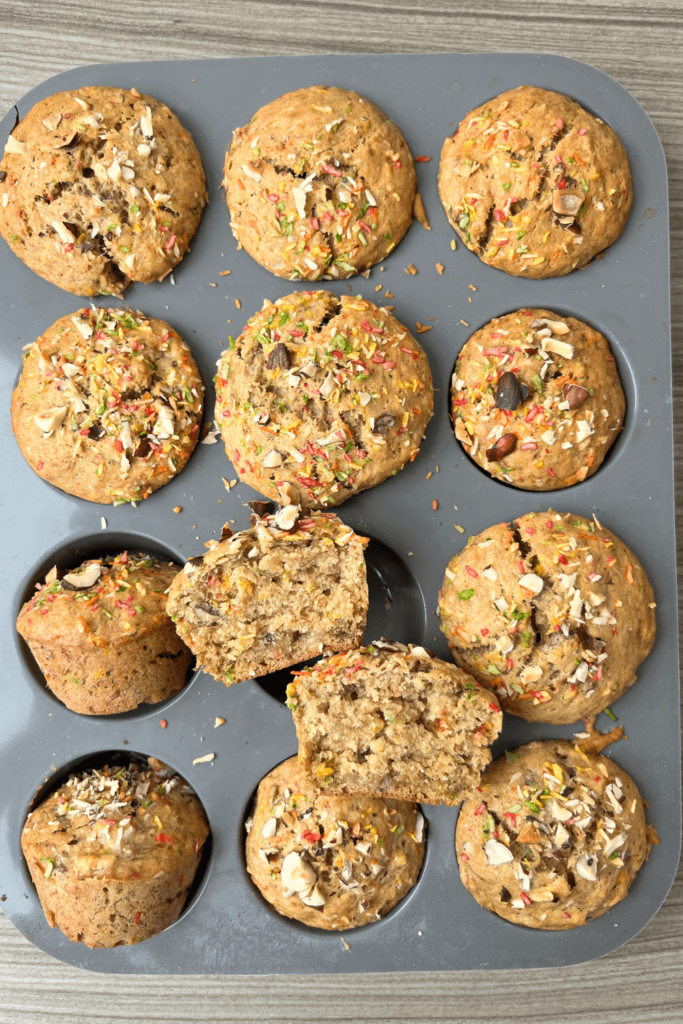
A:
[435,505]
[163,723]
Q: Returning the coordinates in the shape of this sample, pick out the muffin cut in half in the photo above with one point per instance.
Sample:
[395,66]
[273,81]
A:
[554,838]
[332,862]
[394,721]
[114,851]
[551,612]
[102,636]
[288,589]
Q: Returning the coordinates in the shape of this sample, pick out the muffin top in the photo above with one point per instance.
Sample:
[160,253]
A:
[536,399]
[125,823]
[109,405]
[534,184]
[332,862]
[551,612]
[321,397]
[555,836]
[100,187]
[320,183]
[104,601]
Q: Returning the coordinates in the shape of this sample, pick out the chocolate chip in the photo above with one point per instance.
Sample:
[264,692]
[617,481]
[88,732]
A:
[261,508]
[279,358]
[384,423]
[196,560]
[143,449]
[588,642]
[3,175]
[575,395]
[88,172]
[226,532]
[510,391]
[96,433]
[504,446]
[504,895]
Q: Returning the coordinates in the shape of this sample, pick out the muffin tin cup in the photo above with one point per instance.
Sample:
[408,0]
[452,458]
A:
[227,927]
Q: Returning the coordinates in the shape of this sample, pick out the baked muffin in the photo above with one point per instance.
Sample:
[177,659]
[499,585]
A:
[102,636]
[332,862]
[288,589]
[393,721]
[534,184]
[552,612]
[321,397]
[320,183]
[108,406]
[536,399]
[114,851]
[554,838]
[99,188]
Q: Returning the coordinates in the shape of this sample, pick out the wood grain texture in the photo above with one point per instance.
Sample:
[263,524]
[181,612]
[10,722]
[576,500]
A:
[638,43]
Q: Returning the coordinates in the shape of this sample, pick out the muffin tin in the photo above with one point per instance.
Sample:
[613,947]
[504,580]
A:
[226,926]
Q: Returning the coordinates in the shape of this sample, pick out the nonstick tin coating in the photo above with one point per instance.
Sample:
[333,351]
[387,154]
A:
[227,927]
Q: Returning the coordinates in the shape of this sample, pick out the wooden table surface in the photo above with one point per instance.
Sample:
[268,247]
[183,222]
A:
[640,44]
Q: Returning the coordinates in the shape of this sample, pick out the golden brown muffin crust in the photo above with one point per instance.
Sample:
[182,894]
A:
[322,397]
[552,612]
[536,399]
[102,636]
[101,187]
[319,184]
[109,405]
[555,837]
[114,851]
[332,862]
[534,184]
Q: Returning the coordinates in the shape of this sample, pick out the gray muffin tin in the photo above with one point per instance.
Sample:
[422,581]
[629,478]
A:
[227,927]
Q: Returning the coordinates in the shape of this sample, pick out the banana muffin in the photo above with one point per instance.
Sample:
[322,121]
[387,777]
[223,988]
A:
[290,588]
[554,838]
[100,187]
[332,862]
[108,406]
[534,184]
[552,612]
[321,397]
[319,184]
[391,720]
[114,851]
[102,636]
[536,399]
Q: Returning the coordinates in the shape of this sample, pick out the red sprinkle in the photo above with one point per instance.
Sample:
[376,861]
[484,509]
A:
[525,899]
[164,838]
[559,124]
[422,159]
[311,837]
[470,571]
[581,131]
[163,723]
[551,472]
[485,632]
[137,917]
[435,505]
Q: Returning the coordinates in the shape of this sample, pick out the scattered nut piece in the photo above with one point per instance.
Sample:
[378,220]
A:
[204,759]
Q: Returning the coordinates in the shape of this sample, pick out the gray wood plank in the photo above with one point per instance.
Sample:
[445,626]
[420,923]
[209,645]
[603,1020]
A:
[639,44]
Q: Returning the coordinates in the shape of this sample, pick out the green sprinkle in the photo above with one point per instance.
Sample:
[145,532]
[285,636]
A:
[610,714]
[466,595]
